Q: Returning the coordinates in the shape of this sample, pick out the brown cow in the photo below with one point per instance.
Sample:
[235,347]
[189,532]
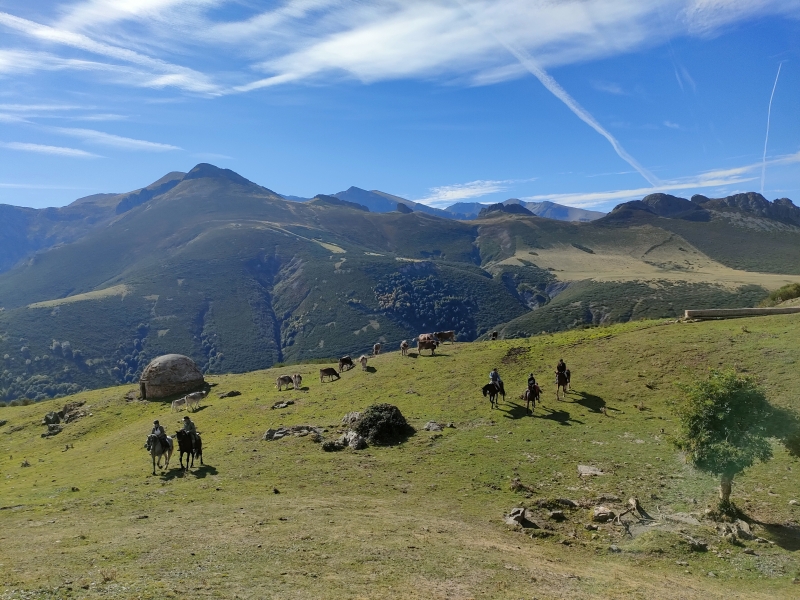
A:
[404,348]
[427,345]
[376,349]
[284,380]
[444,336]
[345,361]
[328,372]
[494,335]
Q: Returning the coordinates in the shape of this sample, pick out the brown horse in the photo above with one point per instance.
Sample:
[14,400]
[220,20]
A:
[562,383]
[531,398]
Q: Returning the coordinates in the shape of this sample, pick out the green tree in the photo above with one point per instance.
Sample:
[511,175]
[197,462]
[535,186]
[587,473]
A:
[726,424]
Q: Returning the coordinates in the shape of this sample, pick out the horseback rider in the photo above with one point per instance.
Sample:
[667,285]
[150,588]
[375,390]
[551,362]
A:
[158,431]
[189,427]
[561,367]
[494,377]
[531,382]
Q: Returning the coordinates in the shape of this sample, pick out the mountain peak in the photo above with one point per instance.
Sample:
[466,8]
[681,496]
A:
[206,170]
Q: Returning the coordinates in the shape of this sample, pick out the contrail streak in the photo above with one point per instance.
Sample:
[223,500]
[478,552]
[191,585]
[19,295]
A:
[527,61]
[769,112]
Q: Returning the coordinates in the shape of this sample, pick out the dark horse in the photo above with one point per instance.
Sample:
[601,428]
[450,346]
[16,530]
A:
[191,450]
[562,382]
[531,397]
[493,390]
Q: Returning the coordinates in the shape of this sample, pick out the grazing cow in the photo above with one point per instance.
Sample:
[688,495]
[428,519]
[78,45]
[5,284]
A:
[297,381]
[284,380]
[345,361]
[363,360]
[176,404]
[494,335]
[444,336]
[404,348]
[376,349]
[425,337]
[328,372]
[194,398]
[430,345]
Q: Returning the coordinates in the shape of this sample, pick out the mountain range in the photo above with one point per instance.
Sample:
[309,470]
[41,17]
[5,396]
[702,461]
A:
[214,266]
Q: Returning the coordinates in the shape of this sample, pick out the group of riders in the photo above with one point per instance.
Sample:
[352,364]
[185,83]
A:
[562,373]
[188,427]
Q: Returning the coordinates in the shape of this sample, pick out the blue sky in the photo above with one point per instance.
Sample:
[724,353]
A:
[587,103]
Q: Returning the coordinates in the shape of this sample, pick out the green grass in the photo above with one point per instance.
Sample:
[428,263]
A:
[420,519]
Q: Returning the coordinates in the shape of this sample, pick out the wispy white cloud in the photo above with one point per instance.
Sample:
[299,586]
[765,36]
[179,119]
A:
[53,150]
[709,179]
[164,73]
[608,87]
[448,194]
[114,141]
[672,125]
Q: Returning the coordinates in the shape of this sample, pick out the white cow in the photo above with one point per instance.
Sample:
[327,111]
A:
[363,360]
[194,398]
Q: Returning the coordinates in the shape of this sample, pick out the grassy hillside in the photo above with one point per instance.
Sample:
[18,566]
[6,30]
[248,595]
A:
[85,518]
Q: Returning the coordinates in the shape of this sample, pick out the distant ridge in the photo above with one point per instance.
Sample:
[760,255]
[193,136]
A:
[700,208]
[546,209]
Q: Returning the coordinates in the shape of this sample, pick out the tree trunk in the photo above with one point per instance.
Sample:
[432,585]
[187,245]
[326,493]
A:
[726,481]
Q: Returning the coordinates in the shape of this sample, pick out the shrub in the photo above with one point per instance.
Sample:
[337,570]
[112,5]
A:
[382,424]
[787,292]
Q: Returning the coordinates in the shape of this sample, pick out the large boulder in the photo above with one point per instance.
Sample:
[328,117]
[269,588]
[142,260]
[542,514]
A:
[169,375]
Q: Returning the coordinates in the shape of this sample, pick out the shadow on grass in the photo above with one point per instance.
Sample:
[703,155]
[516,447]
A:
[515,411]
[199,408]
[203,471]
[371,369]
[591,402]
[562,417]
[786,536]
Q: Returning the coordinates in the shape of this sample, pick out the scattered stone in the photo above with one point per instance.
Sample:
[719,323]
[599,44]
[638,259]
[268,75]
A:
[791,502]
[588,471]
[558,515]
[590,527]
[353,440]
[142,517]
[521,516]
[282,404]
[296,430]
[3,422]
[712,574]
[451,425]
[749,551]
[614,548]
[351,418]
[601,514]
[230,394]
[433,426]
[74,489]
[276,491]
[743,530]
[682,563]
[51,418]
[52,429]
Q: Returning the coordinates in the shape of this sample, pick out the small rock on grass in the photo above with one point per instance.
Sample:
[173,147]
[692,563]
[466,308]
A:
[793,502]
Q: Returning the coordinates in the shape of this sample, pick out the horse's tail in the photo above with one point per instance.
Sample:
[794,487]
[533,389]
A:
[485,393]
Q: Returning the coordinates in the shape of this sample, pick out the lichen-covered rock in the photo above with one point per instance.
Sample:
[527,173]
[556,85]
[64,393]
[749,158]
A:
[168,375]
[601,514]
[382,424]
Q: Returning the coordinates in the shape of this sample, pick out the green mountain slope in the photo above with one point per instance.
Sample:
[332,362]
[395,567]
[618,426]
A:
[211,265]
